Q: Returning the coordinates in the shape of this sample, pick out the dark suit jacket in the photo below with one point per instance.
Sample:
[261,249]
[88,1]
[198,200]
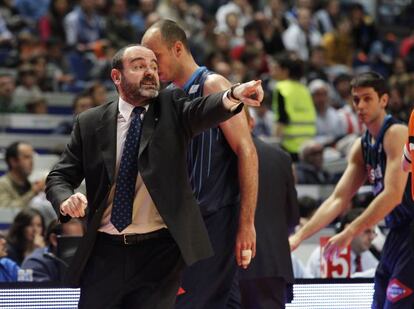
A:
[277,213]
[170,122]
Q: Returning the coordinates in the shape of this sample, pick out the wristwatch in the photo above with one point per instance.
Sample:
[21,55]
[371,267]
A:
[230,94]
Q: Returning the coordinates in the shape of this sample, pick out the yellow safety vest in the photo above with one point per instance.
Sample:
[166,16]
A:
[301,112]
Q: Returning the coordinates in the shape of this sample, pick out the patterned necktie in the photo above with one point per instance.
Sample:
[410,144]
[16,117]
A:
[121,215]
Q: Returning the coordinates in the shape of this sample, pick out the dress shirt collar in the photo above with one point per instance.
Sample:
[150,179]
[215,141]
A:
[125,109]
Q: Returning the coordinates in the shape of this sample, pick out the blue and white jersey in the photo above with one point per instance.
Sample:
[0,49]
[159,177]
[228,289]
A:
[212,164]
[375,160]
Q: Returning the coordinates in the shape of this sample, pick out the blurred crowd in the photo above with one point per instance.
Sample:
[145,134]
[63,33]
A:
[67,45]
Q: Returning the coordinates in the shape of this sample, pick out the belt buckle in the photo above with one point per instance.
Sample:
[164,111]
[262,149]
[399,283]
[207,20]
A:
[125,238]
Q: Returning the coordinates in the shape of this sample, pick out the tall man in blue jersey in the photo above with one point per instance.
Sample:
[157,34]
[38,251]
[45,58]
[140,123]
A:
[223,170]
[374,158]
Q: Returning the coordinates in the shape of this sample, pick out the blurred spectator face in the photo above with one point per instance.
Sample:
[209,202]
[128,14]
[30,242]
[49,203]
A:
[399,66]
[23,164]
[396,99]
[3,247]
[61,6]
[343,88]
[99,94]
[83,104]
[37,106]
[119,8]
[72,228]
[222,68]
[318,58]
[304,18]
[238,72]
[222,41]
[344,26]
[320,98]
[333,7]
[232,21]
[34,228]
[146,6]
[7,86]
[363,242]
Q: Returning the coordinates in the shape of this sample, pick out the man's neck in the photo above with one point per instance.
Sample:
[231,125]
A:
[375,127]
[17,178]
[186,71]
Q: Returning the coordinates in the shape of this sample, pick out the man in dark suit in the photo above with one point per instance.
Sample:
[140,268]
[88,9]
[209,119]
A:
[138,235]
[263,284]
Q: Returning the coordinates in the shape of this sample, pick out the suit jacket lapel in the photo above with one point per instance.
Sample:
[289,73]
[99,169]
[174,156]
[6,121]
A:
[148,126]
[106,133]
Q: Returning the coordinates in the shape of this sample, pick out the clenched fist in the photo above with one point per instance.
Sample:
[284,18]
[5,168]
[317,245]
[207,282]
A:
[74,206]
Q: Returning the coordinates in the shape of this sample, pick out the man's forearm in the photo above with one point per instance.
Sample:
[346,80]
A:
[325,214]
[248,182]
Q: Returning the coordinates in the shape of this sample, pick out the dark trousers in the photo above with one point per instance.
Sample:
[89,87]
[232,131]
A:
[263,293]
[208,282]
[144,275]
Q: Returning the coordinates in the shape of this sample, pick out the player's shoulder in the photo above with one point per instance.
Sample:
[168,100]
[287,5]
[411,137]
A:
[215,83]
[397,129]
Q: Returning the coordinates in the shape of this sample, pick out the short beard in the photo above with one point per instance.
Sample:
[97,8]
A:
[138,92]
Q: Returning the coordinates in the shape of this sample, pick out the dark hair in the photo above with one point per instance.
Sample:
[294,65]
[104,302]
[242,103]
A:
[371,80]
[16,235]
[12,152]
[117,59]
[293,64]
[171,32]
[349,217]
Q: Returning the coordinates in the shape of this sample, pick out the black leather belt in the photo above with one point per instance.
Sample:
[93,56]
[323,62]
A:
[133,239]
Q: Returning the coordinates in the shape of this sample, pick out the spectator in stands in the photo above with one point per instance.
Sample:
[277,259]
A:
[25,235]
[241,8]
[326,18]
[81,103]
[270,33]
[363,28]
[58,64]
[342,88]
[28,87]
[16,191]
[317,66]
[328,125]
[7,90]
[32,10]
[301,37]
[398,106]
[263,121]
[36,106]
[6,36]
[338,43]
[120,30]
[8,268]
[83,26]
[292,103]
[98,93]
[43,261]
[363,262]
[51,24]
[309,169]
[138,18]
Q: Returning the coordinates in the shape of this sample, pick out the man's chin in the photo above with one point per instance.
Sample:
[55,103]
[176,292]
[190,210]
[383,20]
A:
[149,93]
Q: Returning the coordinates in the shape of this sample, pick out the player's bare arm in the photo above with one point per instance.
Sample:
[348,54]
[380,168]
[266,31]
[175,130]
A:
[395,181]
[237,134]
[338,202]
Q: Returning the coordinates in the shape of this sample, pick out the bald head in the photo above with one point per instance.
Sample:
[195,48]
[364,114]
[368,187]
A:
[168,31]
